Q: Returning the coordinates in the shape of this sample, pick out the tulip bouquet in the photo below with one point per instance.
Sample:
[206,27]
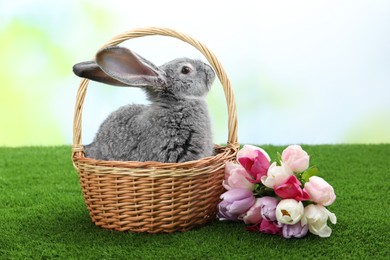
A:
[284,197]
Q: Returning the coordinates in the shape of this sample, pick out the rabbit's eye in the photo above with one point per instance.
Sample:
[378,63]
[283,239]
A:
[185,70]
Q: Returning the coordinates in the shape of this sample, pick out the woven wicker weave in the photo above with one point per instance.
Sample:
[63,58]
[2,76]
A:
[152,196]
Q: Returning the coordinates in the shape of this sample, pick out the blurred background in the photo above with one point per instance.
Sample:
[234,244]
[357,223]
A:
[309,72]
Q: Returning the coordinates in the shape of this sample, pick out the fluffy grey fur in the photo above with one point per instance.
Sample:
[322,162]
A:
[175,127]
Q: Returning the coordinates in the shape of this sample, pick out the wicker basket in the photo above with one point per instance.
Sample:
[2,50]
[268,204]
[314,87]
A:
[151,196]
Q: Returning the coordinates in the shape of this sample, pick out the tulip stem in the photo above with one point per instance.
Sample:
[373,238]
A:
[261,190]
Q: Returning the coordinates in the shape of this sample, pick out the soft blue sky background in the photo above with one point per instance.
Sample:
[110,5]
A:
[302,71]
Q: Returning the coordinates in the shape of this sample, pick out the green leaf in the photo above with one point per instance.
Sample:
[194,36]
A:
[261,191]
[312,171]
[279,159]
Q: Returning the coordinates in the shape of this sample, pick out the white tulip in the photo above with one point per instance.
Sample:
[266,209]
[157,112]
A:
[276,175]
[289,211]
[316,217]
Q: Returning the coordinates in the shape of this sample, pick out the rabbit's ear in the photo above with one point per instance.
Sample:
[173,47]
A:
[90,70]
[129,68]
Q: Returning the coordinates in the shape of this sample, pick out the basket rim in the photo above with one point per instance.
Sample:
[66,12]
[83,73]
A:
[143,168]
[232,143]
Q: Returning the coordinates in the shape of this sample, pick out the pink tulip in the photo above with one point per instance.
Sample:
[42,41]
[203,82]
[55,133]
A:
[296,230]
[254,228]
[320,191]
[253,215]
[269,227]
[291,189]
[265,226]
[264,208]
[295,158]
[236,177]
[255,161]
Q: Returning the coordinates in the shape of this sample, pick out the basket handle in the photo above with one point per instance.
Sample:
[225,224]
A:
[211,58]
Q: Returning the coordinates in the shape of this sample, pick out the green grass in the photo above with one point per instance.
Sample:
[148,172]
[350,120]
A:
[42,214]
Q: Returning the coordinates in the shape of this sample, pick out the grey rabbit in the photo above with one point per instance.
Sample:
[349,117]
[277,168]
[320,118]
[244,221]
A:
[175,127]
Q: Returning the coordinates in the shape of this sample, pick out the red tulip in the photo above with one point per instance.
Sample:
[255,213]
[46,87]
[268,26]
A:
[291,189]
[255,161]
